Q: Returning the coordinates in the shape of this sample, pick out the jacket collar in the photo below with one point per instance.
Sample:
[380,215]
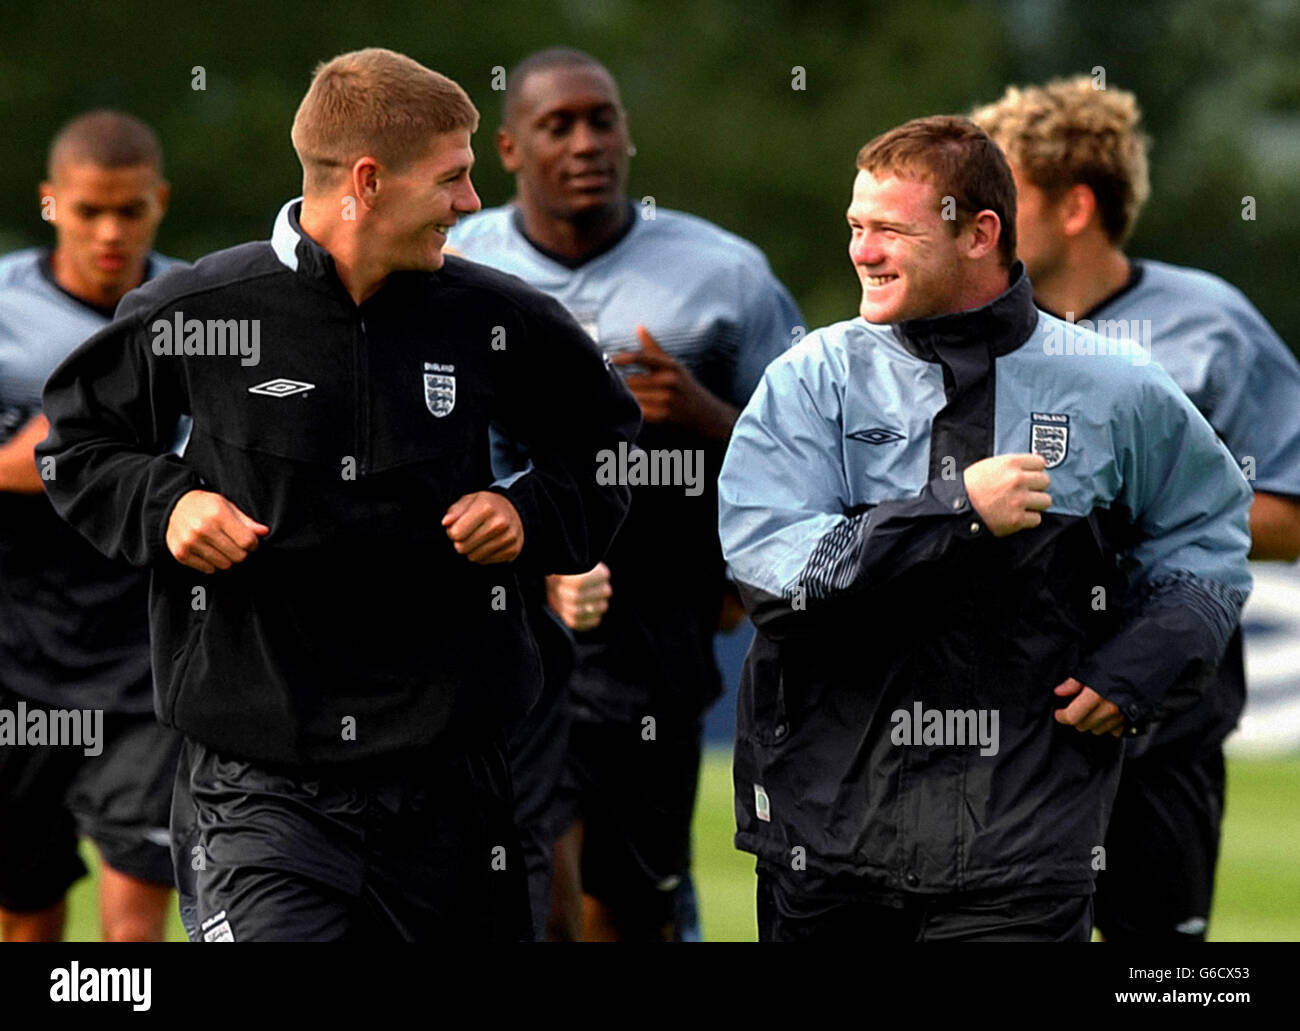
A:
[295,249]
[1003,324]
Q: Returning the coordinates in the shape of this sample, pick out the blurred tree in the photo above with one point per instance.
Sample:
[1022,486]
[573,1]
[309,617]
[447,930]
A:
[748,114]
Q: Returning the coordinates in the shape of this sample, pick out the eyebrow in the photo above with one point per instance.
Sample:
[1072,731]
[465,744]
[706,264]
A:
[605,107]
[461,169]
[885,222]
[87,206]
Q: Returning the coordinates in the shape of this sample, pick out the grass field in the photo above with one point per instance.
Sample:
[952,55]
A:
[1258,895]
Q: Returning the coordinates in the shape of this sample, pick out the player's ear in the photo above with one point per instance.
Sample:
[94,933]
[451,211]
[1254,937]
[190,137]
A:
[984,229]
[365,180]
[163,195]
[1078,207]
[508,150]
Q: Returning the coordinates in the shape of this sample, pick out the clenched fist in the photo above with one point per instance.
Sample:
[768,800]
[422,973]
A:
[1008,491]
[206,532]
[581,599]
[485,528]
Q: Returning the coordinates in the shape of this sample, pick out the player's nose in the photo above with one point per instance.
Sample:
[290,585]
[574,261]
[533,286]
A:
[584,139]
[865,251]
[468,202]
[109,229]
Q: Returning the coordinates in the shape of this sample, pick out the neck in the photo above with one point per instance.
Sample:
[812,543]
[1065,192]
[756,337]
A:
[1086,278]
[361,273]
[990,284]
[573,238]
[101,297]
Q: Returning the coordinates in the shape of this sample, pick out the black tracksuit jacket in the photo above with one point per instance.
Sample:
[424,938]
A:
[354,631]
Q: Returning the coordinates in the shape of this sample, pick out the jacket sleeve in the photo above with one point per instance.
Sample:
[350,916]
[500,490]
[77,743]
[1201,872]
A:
[564,405]
[114,410]
[793,542]
[1187,571]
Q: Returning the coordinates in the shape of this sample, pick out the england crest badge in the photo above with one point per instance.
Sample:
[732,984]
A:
[439,388]
[1049,436]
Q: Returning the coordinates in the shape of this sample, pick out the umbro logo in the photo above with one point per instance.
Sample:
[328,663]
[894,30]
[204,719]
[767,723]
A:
[281,387]
[877,435]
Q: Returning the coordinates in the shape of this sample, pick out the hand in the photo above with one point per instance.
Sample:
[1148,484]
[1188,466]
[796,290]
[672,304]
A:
[206,532]
[485,528]
[669,393]
[580,600]
[732,611]
[1089,711]
[1007,491]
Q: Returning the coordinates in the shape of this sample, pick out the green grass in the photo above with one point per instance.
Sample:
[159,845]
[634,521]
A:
[1258,896]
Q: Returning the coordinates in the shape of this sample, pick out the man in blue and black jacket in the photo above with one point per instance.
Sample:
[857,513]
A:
[336,619]
[949,657]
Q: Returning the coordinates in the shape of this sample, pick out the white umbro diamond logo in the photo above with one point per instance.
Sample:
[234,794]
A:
[281,387]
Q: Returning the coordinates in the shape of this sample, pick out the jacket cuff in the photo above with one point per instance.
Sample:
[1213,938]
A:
[952,500]
[158,512]
[1179,629]
[517,490]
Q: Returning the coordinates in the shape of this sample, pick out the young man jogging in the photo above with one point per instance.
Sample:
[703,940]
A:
[337,624]
[692,315]
[975,565]
[74,632]
[1079,158]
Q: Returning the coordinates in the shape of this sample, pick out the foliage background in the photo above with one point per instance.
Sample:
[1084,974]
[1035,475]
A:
[721,133]
[719,130]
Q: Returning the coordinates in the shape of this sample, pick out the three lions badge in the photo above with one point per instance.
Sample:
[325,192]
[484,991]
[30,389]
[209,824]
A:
[1049,436]
[439,388]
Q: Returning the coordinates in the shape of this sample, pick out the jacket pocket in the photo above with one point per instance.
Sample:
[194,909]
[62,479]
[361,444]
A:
[181,660]
[766,675]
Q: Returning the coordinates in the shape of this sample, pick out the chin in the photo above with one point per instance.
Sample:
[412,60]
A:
[592,207]
[109,285]
[421,263]
[878,314]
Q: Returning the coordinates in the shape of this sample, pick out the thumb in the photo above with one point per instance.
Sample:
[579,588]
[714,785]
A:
[251,523]
[456,510]
[1067,687]
[647,341]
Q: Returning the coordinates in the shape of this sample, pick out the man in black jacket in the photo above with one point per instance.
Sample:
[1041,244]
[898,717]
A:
[354,640]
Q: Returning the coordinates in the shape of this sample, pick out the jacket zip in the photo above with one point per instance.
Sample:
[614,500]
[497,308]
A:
[362,367]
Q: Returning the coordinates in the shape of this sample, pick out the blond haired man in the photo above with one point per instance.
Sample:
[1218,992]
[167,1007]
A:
[337,623]
[1079,158]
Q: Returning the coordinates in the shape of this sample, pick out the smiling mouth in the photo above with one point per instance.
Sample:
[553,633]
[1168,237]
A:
[880,280]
